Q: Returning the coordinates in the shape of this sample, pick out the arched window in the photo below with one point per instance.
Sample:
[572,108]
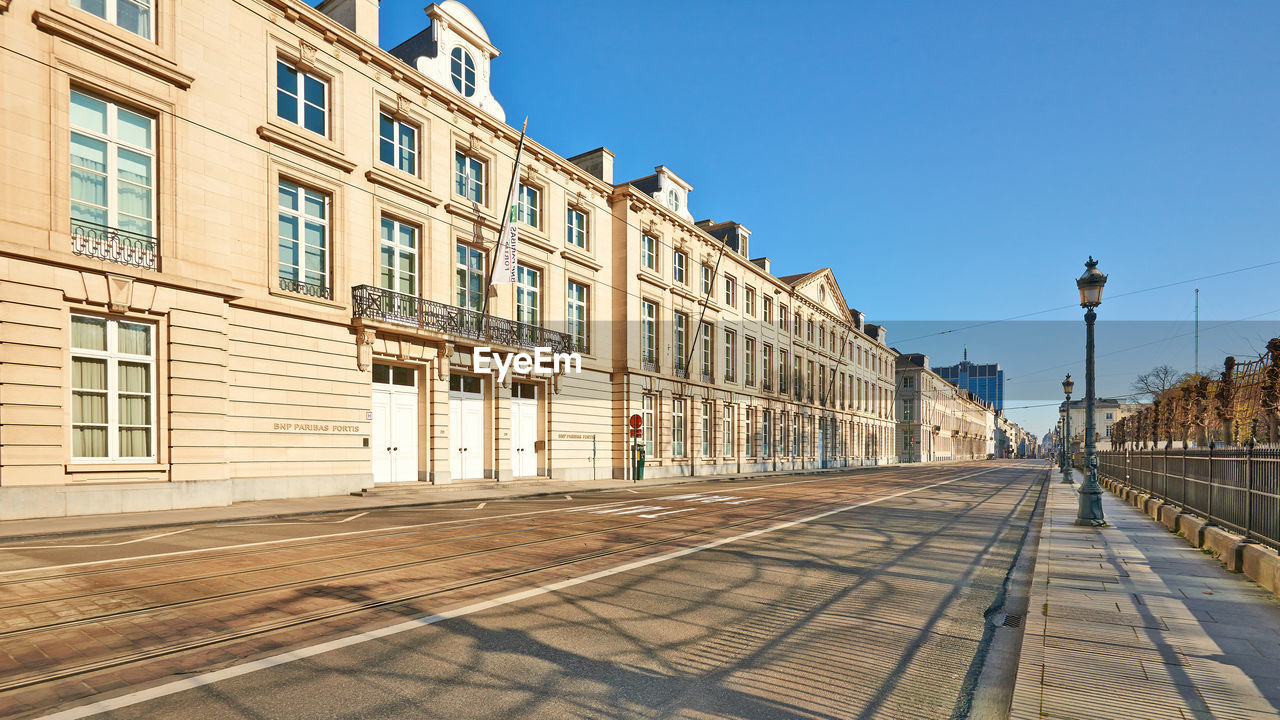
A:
[673,200]
[463,71]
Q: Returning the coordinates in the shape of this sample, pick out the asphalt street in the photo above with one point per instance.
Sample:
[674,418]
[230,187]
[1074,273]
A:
[860,595]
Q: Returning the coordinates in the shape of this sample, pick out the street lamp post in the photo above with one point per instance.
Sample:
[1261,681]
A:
[1090,286]
[1067,386]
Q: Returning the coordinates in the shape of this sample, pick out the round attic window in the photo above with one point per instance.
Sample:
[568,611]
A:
[463,71]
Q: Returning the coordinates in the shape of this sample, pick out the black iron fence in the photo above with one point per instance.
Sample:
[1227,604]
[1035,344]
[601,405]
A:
[1238,488]
[376,303]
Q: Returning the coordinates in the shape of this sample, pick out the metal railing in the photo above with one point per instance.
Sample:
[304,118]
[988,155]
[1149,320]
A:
[113,244]
[1238,488]
[314,290]
[376,303]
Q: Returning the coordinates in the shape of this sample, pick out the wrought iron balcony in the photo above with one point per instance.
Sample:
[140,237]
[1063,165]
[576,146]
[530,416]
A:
[375,303]
[305,288]
[707,377]
[649,363]
[112,244]
[679,369]
[766,386]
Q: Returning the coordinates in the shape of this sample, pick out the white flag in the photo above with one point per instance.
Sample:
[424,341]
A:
[509,236]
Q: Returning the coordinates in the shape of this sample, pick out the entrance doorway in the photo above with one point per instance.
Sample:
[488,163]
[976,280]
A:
[524,429]
[466,427]
[395,424]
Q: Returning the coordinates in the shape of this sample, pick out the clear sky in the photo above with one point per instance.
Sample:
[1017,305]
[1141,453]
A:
[952,161]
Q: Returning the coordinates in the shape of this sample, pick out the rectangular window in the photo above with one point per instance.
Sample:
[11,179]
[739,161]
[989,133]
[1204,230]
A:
[782,371]
[908,381]
[649,251]
[679,330]
[679,262]
[809,367]
[795,324]
[576,313]
[766,310]
[749,361]
[730,292]
[908,410]
[795,376]
[302,98]
[749,428]
[132,15]
[766,428]
[809,328]
[677,427]
[707,367]
[528,200]
[112,389]
[730,355]
[398,252]
[576,228]
[468,175]
[469,271]
[730,430]
[707,283]
[706,429]
[397,143]
[766,365]
[749,302]
[528,295]
[304,240]
[782,317]
[650,430]
[648,333]
[113,179]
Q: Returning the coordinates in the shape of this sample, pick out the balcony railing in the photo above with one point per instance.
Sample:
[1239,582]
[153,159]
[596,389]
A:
[706,377]
[305,288]
[649,363]
[112,244]
[375,303]
[679,369]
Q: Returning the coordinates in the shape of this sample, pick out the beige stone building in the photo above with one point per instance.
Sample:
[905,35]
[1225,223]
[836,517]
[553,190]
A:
[244,254]
[937,420]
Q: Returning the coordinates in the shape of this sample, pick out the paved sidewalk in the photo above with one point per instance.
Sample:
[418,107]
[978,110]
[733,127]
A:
[386,496]
[1129,621]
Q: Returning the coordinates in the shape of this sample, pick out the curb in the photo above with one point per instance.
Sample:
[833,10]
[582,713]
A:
[1257,562]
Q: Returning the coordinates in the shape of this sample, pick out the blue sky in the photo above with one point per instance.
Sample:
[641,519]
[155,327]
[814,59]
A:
[952,161]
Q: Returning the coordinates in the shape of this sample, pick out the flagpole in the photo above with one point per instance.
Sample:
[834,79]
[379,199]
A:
[506,210]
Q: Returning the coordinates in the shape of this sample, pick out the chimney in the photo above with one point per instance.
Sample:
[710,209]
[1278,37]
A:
[598,162]
[762,263]
[358,16]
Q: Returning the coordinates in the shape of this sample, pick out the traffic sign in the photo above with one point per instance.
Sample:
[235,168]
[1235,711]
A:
[637,422]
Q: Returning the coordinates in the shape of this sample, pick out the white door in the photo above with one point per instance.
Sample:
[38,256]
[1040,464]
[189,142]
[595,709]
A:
[395,424]
[466,428]
[524,430]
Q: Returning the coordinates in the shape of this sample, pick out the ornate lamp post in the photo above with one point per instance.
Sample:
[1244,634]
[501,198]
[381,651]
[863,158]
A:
[1090,285]
[1067,386]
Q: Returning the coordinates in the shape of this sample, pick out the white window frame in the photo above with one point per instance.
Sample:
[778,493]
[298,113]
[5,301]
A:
[303,218]
[766,445]
[730,355]
[748,361]
[708,281]
[298,94]
[679,339]
[708,359]
[766,310]
[730,430]
[464,297]
[399,129]
[679,429]
[648,251]
[749,301]
[525,313]
[705,428]
[577,295]
[679,267]
[113,358]
[648,331]
[111,9]
[529,213]
[575,225]
[397,249]
[469,179]
[649,429]
[461,63]
[115,144]
[730,292]
[748,426]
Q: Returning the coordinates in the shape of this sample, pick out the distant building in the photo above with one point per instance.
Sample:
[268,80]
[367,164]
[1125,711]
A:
[1106,411]
[985,381]
[936,420]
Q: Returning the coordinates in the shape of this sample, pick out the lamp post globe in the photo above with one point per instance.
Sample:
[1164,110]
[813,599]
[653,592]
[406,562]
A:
[1090,285]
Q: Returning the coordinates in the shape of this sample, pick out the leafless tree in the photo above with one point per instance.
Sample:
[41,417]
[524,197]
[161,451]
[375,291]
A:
[1156,381]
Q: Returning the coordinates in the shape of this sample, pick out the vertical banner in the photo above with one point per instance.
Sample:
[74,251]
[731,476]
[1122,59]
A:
[504,270]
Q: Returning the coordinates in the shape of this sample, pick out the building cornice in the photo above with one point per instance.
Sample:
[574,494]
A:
[69,28]
[313,150]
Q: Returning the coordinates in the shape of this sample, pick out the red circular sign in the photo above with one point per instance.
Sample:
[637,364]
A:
[637,422]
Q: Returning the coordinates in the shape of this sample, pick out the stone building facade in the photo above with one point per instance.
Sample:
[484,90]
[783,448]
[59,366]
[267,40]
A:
[258,274]
[937,420]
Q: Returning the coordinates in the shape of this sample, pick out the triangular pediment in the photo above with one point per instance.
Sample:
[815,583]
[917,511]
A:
[820,287]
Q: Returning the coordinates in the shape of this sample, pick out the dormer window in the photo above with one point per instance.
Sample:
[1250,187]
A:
[463,71]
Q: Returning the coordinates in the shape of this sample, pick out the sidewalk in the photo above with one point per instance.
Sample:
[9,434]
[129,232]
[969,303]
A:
[385,496]
[1128,621]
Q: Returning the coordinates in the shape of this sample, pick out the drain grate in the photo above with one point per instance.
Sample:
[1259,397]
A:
[1012,621]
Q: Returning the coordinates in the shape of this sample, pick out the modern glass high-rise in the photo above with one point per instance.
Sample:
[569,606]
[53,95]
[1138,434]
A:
[986,380]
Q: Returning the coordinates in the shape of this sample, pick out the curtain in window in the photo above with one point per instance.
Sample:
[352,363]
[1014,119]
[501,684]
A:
[134,340]
[89,334]
[89,407]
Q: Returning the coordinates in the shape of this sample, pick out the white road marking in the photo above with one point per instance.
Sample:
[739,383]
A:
[568,497]
[481,506]
[298,522]
[744,502]
[634,492]
[669,512]
[215,676]
[306,538]
[628,510]
[94,545]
